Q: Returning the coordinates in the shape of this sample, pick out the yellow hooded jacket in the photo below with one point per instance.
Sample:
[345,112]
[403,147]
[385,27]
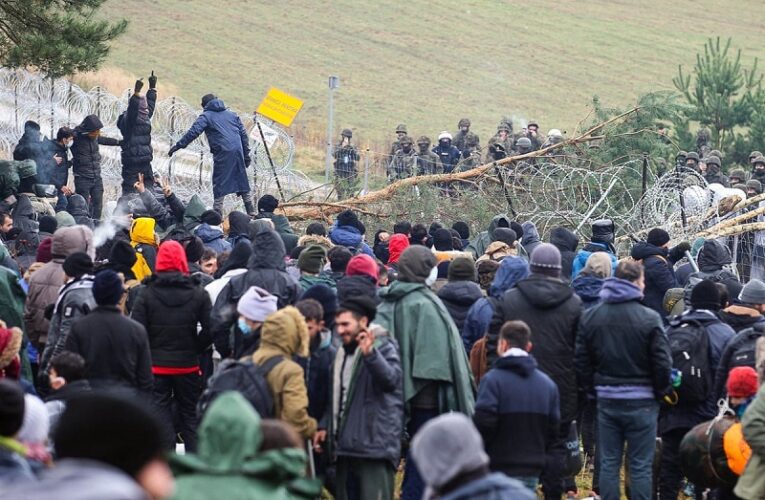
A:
[142,236]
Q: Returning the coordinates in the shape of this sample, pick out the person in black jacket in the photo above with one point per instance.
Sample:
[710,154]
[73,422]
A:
[119,354]
[59,177]
[33,146]
[566,241]
[623,356]
[267,270]
[170,306]
[518,409]
[366,381]
[135,125]
[551,310]
[461,291]
[86,162]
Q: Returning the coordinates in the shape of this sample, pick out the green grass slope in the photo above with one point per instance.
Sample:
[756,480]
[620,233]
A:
[427,64]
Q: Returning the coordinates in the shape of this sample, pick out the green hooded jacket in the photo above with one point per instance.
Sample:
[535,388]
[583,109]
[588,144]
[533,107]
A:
[430,345]
[193,213]
[478,246]
[307,281]
[228,464]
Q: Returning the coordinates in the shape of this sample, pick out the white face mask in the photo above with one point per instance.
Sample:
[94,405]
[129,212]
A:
[432,277]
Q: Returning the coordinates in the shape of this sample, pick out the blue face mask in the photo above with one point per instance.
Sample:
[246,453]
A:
[244,327]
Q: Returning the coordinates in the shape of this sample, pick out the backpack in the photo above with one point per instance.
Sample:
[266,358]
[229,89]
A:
[246,378]
[745,353]
[689,345]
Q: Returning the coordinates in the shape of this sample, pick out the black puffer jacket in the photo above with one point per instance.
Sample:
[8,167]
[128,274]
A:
[169,306]
[267,270]
[552,310]
[458,297]
[659,274]
[136,132]
[566,242]
[713,260]
[86,156]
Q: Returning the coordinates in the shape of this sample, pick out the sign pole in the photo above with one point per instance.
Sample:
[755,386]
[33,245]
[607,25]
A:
[334,83]
[271,161]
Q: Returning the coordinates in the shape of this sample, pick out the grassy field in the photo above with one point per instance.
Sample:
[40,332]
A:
[426,64]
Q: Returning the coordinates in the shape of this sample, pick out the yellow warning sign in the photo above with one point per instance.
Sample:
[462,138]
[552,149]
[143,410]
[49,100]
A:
[280,107]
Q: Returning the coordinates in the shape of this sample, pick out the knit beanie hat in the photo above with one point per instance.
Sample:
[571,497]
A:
[705,295]
[112,429]
[36,421]
[362,305]
[211,217]
[256,304]
[363,265]
[753,292]
[415,264]
[267,203]
[545,260]
[462,269]
[657,237]
[172,258]
[598,265]
[78,264]
[48,224]
[447,447]
[12,403]
[44,251]
[742,382]
[462,228]
[122,254]
[327,297]
[107,288]
[442,240]
[506,236]
[193,249]
[64,219]
[312,259]
[10,344]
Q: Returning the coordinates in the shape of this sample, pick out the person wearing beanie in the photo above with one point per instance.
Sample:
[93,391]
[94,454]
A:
[434,368]
[74,301]
[253,308]
[14,467]
[348,231]
[366,380]
[464,231]
[170,307]
[483,239]
[551,310]
[602,240]
[44,251]
[450,455]
[119,355]
[742,386]
[210,232]
[628,370]
[676,420]
[122,258]
[48,225]
[64,219]
[267,205]
[266,269]
[230,146]
[145,242]
[658,264]
[34,433]
[747,308]
[363,265]
[590,281]
[361,279]
[285,334]
[461,291]
[510,271]
[310,262]
[107,446]
[504,245]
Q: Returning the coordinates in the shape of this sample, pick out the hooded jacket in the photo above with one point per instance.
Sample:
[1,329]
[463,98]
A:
[587,289]
[46,282]
[518,415]
[552,310]
[145,243]
[78,209]
[478,246]
[566,242]
[580,260]
[86,156]
[169,306]
[458,297]
[213,238]
[238,228]
[478,319]
[351,238]
[284,333]
[635,353]
[396,246]
[136,131]
[412,313]
[740,317]
[659,274]
[26,243]
[266,270]
[282,226]
[228,463]
[229,145]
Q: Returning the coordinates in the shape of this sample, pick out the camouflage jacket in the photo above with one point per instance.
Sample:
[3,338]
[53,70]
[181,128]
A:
[428,163]
[402,164]
[345,161]
[459,140]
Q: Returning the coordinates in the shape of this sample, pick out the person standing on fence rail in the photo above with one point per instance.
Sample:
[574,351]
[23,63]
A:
[86,162]
[230,147]
[135,125]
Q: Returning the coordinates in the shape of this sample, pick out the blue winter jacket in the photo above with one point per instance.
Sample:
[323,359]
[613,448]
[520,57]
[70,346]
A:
[229,145]
[351,238]
[581,257]
[588,289]
[213,238]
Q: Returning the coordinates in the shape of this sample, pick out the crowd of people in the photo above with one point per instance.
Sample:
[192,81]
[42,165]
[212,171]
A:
[168,351]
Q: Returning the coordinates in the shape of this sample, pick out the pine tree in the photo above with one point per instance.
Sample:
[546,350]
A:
[56,37]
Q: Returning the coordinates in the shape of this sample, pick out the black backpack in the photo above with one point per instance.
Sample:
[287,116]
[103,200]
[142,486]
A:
[689,345]
[745,353]
[246,378]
